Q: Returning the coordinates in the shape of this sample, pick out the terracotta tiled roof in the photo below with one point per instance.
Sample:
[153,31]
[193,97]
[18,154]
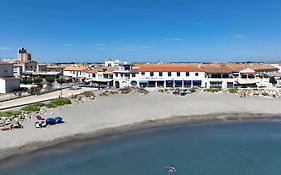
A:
[9,78]
[216,69]
[260,67]
[75,68]
[3,62]
[56,67]
[105,69]
[166,68]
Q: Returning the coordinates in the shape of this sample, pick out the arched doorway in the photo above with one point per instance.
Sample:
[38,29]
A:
[117,84]
[134,83]
[124,84]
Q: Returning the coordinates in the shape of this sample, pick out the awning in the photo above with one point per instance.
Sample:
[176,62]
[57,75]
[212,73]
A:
[247,81]
[143,81]
[169,81]
[178,81]
[102,80]
[187,81]
[197,81]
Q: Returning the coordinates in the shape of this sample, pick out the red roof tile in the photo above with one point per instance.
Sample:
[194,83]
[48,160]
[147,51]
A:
[166,68]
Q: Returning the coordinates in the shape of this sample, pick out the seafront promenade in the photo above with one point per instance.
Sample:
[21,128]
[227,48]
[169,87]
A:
[39,98]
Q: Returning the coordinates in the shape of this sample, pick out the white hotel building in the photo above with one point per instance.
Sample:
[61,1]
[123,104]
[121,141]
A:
[165,75]
[159,75]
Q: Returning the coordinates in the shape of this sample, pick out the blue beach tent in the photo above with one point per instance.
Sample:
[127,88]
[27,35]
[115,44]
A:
[50,121]
[58,120]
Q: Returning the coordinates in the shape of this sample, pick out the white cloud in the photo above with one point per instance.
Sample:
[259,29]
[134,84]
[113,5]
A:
[138,46]
[5,48]
[174,39]
[240,36]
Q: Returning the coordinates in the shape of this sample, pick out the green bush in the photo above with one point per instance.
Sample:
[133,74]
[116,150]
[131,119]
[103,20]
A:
[58,102]
[233,90]
[212,90]
[50,105]
[9,113]
[192,90]
[31,108]
[40,104]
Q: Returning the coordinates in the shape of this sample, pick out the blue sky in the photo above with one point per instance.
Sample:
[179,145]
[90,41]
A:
[143,30]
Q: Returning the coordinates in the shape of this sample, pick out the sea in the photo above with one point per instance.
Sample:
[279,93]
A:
[212,148]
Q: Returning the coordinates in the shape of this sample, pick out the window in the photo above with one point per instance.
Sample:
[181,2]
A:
[187,74]
[196,74]
[151,74]
[169,74]
[178,74]
[94,75]
[133,75]
[30,67]
[160,74]
[142,73]
[5,70]
[116,75]
[73,72]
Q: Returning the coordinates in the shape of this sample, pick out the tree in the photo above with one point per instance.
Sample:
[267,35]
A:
[61,80]
[37,80]
[50,80]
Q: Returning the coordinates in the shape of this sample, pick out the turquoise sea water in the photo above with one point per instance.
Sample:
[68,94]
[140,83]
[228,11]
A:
[238,148]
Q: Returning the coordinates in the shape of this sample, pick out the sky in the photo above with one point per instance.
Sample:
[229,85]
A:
[142,30]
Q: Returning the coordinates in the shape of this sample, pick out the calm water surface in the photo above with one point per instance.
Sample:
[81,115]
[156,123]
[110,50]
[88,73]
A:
[240,148]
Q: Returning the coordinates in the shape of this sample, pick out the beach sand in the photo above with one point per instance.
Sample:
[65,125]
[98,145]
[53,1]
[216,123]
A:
[119,113]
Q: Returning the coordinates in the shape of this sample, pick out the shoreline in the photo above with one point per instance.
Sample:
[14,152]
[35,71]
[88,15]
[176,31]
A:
[11,152]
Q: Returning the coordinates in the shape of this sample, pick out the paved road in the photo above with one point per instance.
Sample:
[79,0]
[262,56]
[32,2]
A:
[44,97]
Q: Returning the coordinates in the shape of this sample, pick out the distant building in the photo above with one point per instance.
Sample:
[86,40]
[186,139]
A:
[111,63]
[23,56]
[159,75]
[76,71]
[8,82]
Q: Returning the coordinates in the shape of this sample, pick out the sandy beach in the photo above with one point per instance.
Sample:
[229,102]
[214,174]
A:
[117,113]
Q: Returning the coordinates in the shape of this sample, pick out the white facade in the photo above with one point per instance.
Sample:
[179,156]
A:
[9,85]
[17,70]
[111,63]
[75,73]
[159,79]
[6,70]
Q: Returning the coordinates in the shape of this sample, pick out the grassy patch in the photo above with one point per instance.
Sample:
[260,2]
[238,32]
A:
[31,108]
[9,113]
[58,102]
[233,90]
[212,90]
